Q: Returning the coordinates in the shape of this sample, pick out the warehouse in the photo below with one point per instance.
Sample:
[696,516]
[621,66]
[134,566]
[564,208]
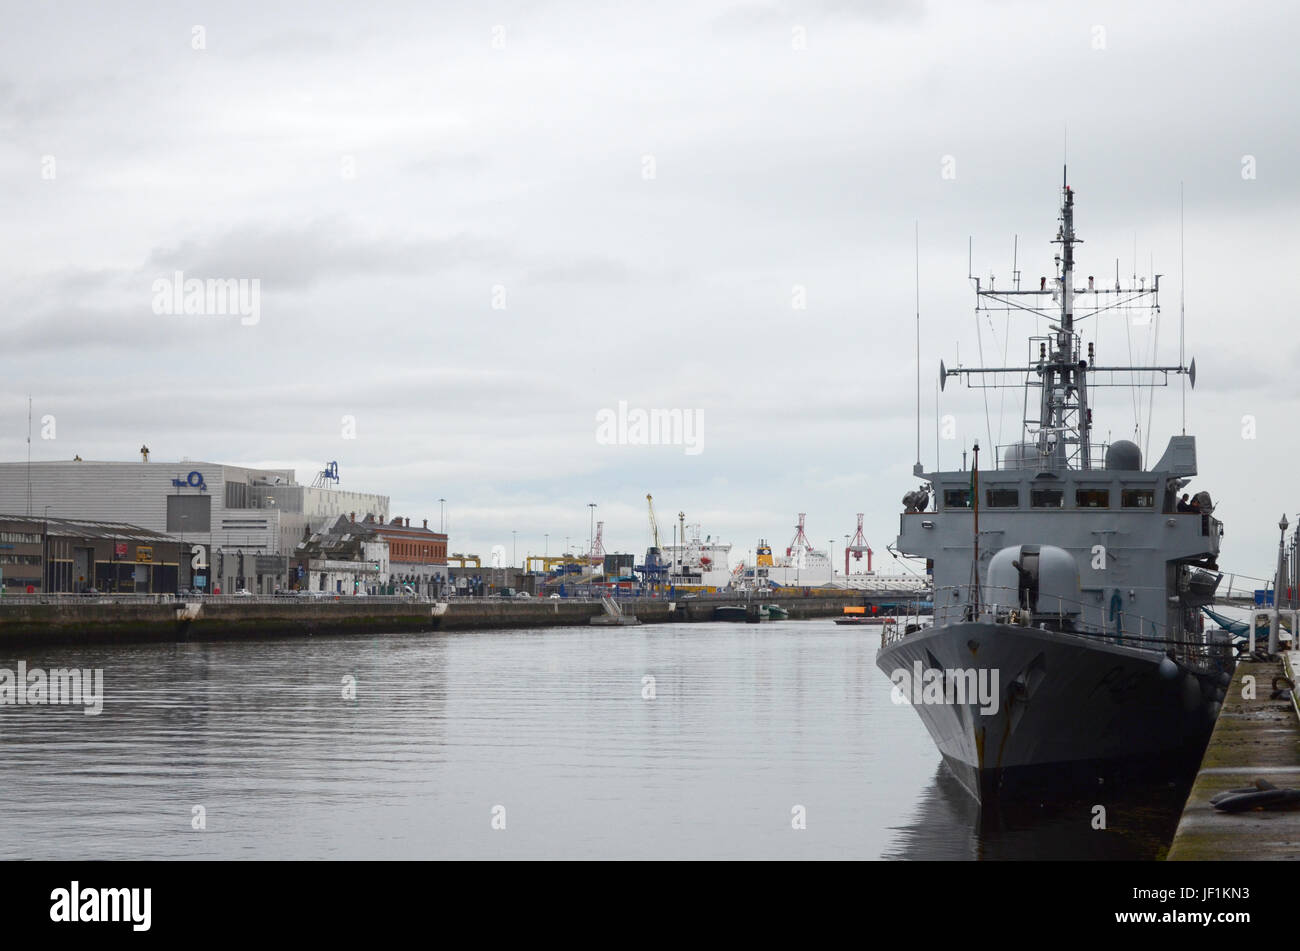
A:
[60,555]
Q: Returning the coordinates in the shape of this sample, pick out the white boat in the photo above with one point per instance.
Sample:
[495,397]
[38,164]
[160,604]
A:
[698,564]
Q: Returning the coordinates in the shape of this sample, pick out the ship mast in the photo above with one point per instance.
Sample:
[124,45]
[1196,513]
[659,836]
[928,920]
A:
[1057,435]
[1063,411]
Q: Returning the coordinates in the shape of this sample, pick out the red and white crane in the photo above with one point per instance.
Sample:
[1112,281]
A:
[597,556]
[856,548]
[800,543]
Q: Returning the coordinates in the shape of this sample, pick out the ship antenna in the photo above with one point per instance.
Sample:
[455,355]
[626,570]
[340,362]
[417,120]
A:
[1182,284]
[975,503]
[917,239]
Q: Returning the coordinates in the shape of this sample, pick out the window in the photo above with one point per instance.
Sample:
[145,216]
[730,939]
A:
[1047,498]
[956,498]
[1092,498]
[1002,497]
[1138,498]
[21,538]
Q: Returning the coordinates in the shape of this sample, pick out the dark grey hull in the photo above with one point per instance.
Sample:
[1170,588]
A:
[1070,708]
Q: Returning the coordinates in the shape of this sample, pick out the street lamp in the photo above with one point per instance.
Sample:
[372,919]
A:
[46,573]
[591,533]
[180,558]
[514,547]
[1277,588]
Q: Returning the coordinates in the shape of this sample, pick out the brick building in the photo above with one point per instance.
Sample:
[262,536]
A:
[417,555]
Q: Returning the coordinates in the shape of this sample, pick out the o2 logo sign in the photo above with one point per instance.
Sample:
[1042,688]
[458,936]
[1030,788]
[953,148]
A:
[194,481]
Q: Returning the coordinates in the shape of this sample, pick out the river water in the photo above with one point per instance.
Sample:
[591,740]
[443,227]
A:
[422,745]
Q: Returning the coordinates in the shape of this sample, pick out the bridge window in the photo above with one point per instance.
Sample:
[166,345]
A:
[956,498]
[1047,498]
[1092,498]
[1002,497]
[1138,498]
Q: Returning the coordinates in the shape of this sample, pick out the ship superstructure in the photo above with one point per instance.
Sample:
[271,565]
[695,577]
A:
[699,564]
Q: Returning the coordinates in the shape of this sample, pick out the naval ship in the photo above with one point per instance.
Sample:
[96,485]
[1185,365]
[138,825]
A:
[1066,642]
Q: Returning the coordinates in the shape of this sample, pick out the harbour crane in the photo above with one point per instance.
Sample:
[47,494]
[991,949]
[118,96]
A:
[856,548]
[654,526]
[800,541]
[654,570]
[799,548]
[597,558]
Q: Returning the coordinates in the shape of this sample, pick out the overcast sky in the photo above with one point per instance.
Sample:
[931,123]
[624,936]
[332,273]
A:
[643,185]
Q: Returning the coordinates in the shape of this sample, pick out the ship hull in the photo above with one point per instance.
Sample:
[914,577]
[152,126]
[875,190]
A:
[1068,709]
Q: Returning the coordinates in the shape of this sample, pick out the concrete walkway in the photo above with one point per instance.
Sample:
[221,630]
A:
[1253,739]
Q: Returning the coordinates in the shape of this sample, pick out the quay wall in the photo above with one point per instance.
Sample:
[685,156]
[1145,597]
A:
[90,621]
[1256,736]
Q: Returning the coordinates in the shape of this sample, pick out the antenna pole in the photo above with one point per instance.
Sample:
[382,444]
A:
[1182,283]
[937,466]
[29,455]
[917,237]
[975,504]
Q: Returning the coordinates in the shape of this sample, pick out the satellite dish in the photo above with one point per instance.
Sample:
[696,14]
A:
[943,376]
[1191,373]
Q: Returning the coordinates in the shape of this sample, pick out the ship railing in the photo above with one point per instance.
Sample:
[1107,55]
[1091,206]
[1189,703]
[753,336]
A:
[953,604]
[1025,455]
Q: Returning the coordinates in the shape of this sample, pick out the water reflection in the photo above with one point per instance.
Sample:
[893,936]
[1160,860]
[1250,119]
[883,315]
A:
[949,825]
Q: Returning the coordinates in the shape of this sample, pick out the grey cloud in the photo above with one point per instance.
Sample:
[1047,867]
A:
[292,258]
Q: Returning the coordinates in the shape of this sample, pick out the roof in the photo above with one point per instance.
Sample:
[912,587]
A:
[90,528]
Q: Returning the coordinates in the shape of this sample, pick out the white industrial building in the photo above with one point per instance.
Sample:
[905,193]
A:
[244,521]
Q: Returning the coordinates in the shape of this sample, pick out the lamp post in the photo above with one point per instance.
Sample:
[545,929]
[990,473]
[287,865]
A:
[1277,589]
[47,576]
[514,548]
[1292,568]
[180,558]
[591,533]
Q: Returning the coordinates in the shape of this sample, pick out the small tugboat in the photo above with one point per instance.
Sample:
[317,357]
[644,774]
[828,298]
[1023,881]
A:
[857,615]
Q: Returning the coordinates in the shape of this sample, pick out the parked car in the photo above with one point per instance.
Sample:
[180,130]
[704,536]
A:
[522,594]
[555,597]
[243,593]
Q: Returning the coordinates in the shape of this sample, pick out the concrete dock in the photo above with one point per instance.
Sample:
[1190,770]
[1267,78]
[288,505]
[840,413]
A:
[99,620]
[1253,739]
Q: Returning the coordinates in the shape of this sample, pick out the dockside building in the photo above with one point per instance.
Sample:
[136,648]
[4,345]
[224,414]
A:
[243,522]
